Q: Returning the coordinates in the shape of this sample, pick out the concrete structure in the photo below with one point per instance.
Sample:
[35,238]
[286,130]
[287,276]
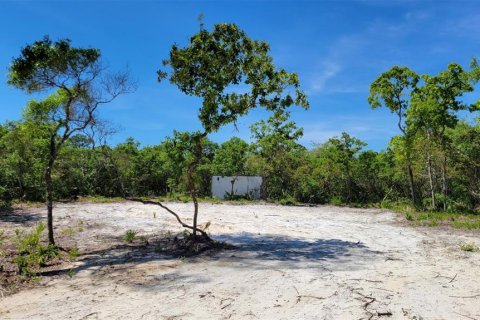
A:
[248,186]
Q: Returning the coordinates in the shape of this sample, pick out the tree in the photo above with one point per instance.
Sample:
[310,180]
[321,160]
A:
[278,152]
[77,84]
[230,158]
[393,89]
[211,67]
[435,106]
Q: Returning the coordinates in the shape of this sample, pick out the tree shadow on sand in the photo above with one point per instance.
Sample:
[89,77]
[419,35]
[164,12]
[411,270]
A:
[248,251]
[19,216]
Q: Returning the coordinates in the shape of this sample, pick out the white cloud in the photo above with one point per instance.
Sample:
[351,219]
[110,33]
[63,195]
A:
[329,70]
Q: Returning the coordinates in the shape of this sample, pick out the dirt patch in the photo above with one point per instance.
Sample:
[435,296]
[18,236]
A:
[288,262]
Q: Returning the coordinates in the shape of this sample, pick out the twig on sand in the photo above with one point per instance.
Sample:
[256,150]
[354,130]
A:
[227,305]
[300,296]
[450,278]
[466,297]
[453,278]
[374,281]
[464,315]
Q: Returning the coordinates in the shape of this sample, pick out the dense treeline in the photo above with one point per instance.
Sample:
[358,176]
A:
[338,171]
[58,150]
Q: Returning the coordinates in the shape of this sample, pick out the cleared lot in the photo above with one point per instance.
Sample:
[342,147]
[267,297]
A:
[290,262]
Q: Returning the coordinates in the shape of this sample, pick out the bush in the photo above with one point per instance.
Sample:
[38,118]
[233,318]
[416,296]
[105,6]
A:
[130,235]
[287,201]
[31,254]
[73,253]
[470,247]
[336,201]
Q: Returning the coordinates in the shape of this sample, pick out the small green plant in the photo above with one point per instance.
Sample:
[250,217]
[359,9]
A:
[409,216]
[186,234]
[73,253]
[130,235]
[81,223]
[70,273]
[336,201]
[68,232]
[31,254]
[287,201]
[470,247]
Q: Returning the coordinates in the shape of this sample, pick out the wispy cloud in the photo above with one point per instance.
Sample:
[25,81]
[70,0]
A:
[361,50]
[329,70]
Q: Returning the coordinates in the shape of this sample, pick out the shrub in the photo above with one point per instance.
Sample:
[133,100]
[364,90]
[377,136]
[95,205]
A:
[470,247]
[336,201]
[409,216]
[31,254]
[287,201]
[73,253]
[130,235]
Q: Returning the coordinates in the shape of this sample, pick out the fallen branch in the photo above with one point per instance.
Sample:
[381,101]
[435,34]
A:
[453,278]
[464,315]
[169,211]
[465,297]
[374,281]
[372,300]
[300,296]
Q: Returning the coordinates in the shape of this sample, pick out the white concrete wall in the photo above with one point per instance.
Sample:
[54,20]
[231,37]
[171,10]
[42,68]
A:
[242,185]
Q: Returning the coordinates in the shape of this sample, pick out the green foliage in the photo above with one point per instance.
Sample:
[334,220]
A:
[130,235]
[469,247]
[58,59]
[216,62]
[73,253]
[336,201]
[31,254]
[288,201]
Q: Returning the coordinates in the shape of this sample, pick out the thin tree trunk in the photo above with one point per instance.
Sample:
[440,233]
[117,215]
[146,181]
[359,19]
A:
[192,168]
[410,179]
[430,178]
[49,189]
[444,182]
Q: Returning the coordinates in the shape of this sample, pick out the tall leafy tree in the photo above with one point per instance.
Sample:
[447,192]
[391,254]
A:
[211,67]
[77,85]
[435,109]
[278,152]
[393,89]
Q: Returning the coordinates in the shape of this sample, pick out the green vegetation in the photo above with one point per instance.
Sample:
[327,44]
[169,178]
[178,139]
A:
[430,171]
[130,235]
[76,84]
[31,254]
[435,218]
[469,247]
[73,253]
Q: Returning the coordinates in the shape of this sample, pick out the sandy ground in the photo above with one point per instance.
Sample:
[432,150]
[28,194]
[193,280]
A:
[290,263]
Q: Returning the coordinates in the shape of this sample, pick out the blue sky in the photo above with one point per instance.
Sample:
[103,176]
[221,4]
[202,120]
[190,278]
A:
[337,47]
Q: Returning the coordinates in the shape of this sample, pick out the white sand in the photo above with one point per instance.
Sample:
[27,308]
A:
[292,263]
